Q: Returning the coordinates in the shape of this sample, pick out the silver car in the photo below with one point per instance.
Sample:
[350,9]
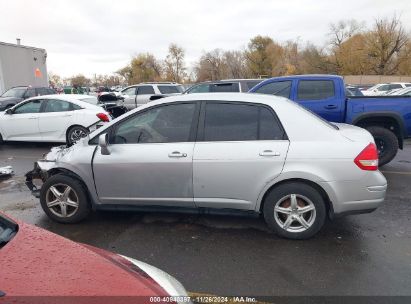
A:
[140,94]
[221,153]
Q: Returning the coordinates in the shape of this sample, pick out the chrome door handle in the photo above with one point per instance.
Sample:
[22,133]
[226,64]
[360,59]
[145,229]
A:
[269,153]
[177,154]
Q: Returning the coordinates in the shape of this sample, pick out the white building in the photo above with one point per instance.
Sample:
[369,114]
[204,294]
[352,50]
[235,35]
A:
[22,65]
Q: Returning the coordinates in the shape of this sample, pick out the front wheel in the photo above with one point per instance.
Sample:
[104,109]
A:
[386,142]
[294,210]
[75,134]
[64,199]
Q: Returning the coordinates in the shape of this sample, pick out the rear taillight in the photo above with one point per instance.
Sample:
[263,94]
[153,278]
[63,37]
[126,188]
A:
[368,158]
[103,117]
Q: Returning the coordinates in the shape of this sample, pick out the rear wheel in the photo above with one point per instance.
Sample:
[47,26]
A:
[76,133]
[64,199]
[386,142]
[294,210]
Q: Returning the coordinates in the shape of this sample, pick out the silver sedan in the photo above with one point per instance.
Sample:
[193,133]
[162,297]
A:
[220,153]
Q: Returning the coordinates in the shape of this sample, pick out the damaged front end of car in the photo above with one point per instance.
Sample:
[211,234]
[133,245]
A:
[42,168]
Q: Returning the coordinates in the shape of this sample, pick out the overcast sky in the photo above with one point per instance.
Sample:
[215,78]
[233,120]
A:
[101,36]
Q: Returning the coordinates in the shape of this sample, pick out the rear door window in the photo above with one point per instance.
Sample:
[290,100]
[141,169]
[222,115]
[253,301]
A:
[230,122]
[55,105]
[168,89]
[278,88]
[145,90]
[315,89]
[240,122]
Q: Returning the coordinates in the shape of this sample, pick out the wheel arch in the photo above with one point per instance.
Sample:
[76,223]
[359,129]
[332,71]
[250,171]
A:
[388,120]
[321,190]
[67,172]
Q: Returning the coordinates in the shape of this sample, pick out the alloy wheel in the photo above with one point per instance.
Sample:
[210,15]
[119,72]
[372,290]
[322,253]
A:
[62,200]
[77,134]
[295,213]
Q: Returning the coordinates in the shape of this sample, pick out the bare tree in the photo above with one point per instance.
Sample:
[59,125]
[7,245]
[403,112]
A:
[385,42]
[344,30]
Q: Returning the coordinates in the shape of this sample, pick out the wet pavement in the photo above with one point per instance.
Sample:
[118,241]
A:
[366,254]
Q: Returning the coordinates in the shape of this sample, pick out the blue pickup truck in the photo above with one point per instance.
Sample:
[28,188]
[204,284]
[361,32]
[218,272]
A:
[387,118]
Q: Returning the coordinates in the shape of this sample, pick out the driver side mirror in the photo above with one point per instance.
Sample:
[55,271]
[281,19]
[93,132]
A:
[9,111]
[103,144]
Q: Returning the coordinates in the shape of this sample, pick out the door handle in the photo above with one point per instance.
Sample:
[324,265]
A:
[177,154]
[32,117]
[269,153]
[331,107]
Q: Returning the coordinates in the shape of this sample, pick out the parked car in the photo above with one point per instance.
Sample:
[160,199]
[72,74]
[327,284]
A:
[402,92]
[385,117]
[113,103]
[51,118]
[381,88]
[220,153]
[227,85]
[35,262]
[140,94]
[14,95]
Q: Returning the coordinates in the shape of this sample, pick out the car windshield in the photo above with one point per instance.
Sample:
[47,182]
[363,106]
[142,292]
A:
[168,89]
[15,92]
[8,230]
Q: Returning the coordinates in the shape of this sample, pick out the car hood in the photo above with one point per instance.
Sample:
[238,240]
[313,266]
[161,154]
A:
[37,262]
[10,99]
[354,133]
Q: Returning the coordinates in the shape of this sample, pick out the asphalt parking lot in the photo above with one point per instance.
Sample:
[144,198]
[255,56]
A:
[366,254]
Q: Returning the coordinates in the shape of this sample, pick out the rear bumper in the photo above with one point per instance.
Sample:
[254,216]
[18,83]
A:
[354,197]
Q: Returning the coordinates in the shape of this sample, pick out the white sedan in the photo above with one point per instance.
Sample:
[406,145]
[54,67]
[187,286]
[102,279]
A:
[51,118]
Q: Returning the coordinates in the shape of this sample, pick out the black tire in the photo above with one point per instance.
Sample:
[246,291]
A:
[303,191]
[387,144]
[57,181]
[72,137]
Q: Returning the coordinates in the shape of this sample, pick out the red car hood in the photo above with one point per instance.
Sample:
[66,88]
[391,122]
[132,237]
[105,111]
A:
[40,263]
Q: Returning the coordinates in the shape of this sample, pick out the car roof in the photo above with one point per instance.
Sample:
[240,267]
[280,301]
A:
[73,98]
[226,97]
[30,87]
